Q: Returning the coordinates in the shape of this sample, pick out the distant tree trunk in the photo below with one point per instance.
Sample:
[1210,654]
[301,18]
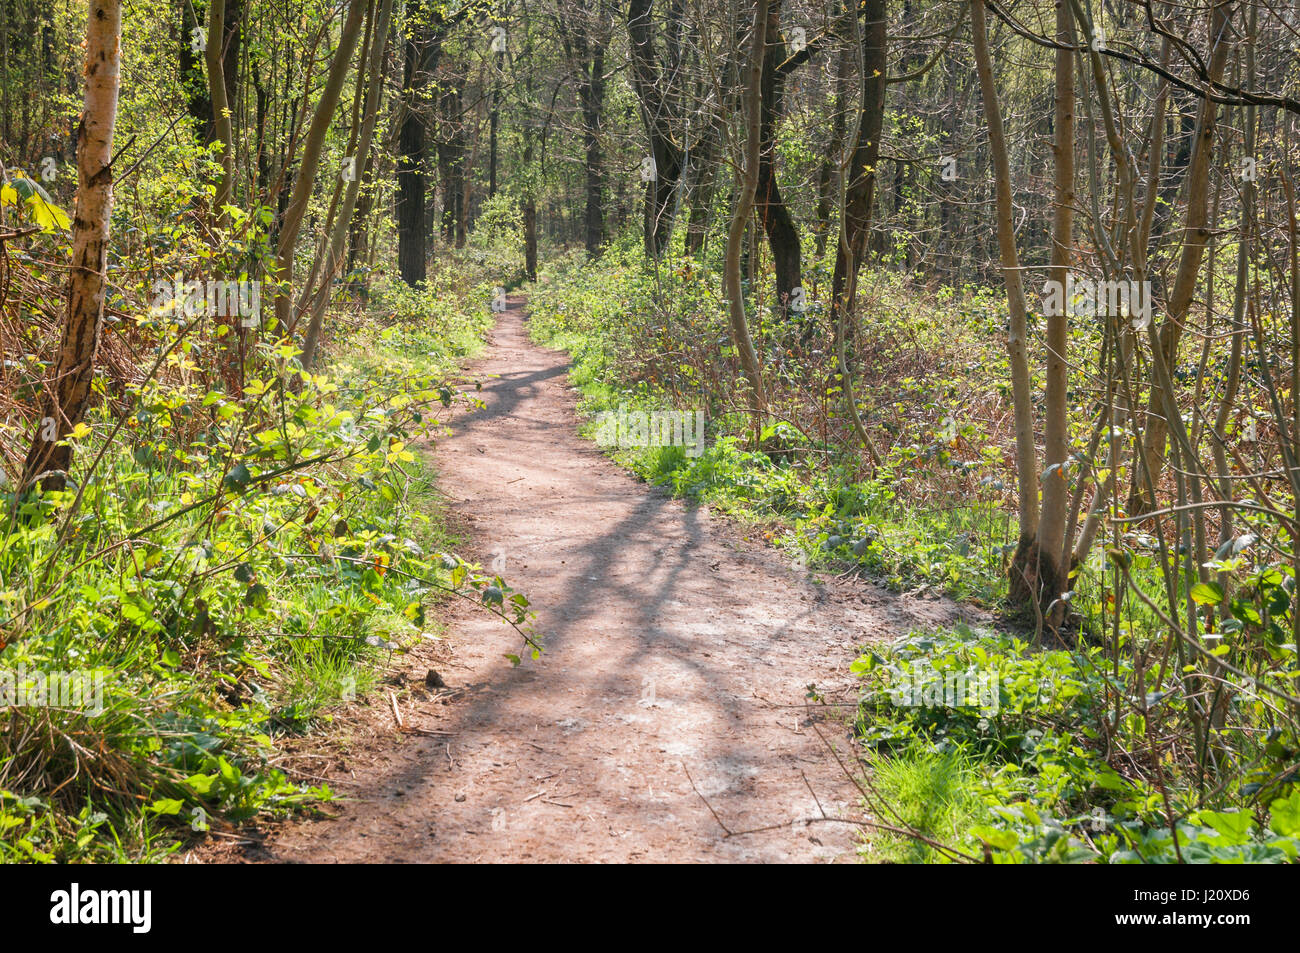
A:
[708,147]
[860,187]
[357,230]
[449,146]
[494,119]
[231,44]
[261,108]
[530,238]
[65,398]
[778,223]
[591,93]
[859,194]
[423,49]
[703,185]
[657,114]
[740,215]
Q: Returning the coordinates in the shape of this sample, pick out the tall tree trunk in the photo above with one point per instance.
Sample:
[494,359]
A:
[860,187]
[591,93]
[703,185]
[494,119]
[859,193]
[232,43]
[221,108]
[530,238]
[423,49]
[338,238]
[778,223]
[658,113]
[1196,233]
[1046,571]
[312,146]
[1018,323]
[827,180]
[740,215]
[65,398]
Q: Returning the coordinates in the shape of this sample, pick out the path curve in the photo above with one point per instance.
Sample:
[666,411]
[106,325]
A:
[676,651]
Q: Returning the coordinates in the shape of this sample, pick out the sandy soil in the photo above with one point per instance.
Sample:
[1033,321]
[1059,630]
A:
[672,688]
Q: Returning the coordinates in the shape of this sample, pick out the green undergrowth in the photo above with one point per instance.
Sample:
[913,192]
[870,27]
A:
[1097,747]
[226,569]
[805,493]
[997,751]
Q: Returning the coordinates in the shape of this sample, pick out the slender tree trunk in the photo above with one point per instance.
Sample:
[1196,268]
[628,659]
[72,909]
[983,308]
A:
[859,194]
[66,397]
[1050,543]
[592,95]
[1196,234]
[778,223]
[221,108]
[740,215]
[827,179]
[530,238]
[860,172]
[494,119]
[339,236]
[232,43]
[311,153]
[1018,324]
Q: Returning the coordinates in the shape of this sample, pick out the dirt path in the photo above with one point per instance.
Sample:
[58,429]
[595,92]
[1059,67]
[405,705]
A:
[672,646]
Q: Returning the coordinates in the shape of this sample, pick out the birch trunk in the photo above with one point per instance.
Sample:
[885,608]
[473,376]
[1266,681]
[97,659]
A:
[66,397]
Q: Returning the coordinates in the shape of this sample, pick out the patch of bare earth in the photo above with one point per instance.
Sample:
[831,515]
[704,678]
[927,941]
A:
[669,699]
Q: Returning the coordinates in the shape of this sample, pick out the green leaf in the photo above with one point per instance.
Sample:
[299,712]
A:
[1285,818]
[47,215]
[1207,593]
[1234,827]
[1000,839]
[201,783]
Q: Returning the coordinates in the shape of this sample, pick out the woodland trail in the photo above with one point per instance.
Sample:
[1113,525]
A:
[672,645]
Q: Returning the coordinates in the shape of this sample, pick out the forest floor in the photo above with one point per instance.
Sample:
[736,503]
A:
[669,700]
